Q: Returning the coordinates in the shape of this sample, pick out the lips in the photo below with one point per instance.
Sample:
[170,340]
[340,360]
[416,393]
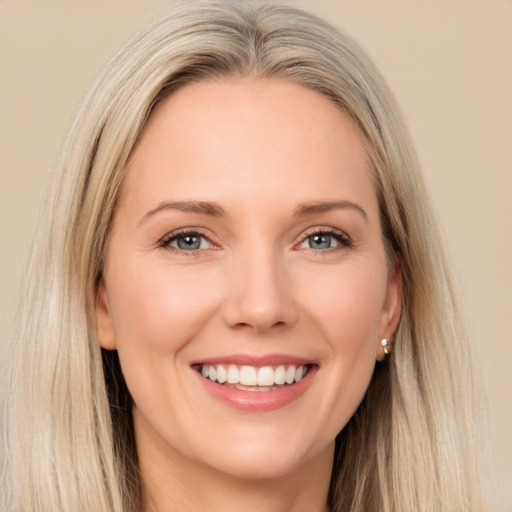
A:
[261,383]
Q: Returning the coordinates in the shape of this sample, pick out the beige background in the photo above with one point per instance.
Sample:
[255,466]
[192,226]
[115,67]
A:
[450,65]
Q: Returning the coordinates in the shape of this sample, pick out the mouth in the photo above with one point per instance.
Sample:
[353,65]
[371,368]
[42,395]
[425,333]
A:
[254,378]
[256,384]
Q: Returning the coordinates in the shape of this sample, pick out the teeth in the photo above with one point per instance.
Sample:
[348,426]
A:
[266,376]
[233,374]
[222,374]
[247,376]
[290,374]
[280,375]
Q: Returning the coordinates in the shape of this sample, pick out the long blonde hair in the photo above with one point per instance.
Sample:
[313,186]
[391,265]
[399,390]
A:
[70,445]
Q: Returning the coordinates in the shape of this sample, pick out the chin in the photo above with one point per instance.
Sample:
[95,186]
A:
[266,461]
[266,467]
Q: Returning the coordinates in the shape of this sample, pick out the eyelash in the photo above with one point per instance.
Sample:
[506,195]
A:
[342,238]
[166,242]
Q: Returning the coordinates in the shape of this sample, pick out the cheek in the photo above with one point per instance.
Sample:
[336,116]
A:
[155,314]
[160,309]
[346,306]
[346,302]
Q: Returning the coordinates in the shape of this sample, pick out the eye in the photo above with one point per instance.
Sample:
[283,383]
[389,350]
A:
[186,241]
[323,240]
[320,241]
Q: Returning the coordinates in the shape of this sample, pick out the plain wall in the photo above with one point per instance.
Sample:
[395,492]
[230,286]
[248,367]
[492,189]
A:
[450,65]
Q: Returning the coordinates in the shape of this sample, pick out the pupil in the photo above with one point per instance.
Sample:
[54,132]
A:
[189,242]
[320,241]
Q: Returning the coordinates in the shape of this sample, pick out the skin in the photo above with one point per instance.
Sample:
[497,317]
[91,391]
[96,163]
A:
[257,285]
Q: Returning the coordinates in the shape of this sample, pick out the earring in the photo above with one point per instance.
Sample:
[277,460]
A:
[386,346]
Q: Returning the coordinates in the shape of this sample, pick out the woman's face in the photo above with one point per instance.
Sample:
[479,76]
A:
[246,286]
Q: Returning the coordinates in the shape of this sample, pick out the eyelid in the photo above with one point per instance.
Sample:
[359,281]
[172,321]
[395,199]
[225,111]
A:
[339,235]
[166,240]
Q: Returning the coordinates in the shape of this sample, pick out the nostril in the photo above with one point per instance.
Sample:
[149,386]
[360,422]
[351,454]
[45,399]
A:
[258,326]
[242,325]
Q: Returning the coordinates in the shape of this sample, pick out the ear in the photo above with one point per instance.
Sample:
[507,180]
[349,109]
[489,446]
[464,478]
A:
[104,325]
[390,315]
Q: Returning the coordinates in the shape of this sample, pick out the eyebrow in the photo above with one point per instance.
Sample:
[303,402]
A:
[202,207]
[320,207]
[215,210]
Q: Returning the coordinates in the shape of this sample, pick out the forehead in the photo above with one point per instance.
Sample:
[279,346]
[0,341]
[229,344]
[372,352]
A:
[247,138]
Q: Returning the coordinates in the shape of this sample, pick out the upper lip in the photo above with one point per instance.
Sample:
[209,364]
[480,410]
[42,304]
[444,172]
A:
[255,360]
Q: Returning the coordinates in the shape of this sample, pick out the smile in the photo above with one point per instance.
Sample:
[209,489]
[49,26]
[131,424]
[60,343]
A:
[252,378]
[256,384]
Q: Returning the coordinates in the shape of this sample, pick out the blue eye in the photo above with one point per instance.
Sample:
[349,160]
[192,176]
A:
[319,241]
[325,240]
[186,241]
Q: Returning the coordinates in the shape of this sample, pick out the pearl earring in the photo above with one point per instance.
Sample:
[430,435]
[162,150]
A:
[385,346]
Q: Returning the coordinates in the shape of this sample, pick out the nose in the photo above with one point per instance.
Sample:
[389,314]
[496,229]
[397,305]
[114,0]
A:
[260,294]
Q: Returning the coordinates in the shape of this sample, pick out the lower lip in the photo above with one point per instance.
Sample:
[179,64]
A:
[258,401]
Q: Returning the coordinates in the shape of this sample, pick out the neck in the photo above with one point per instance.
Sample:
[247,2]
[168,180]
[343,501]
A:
[173,482]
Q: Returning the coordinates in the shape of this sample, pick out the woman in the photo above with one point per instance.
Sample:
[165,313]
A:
[240,299]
